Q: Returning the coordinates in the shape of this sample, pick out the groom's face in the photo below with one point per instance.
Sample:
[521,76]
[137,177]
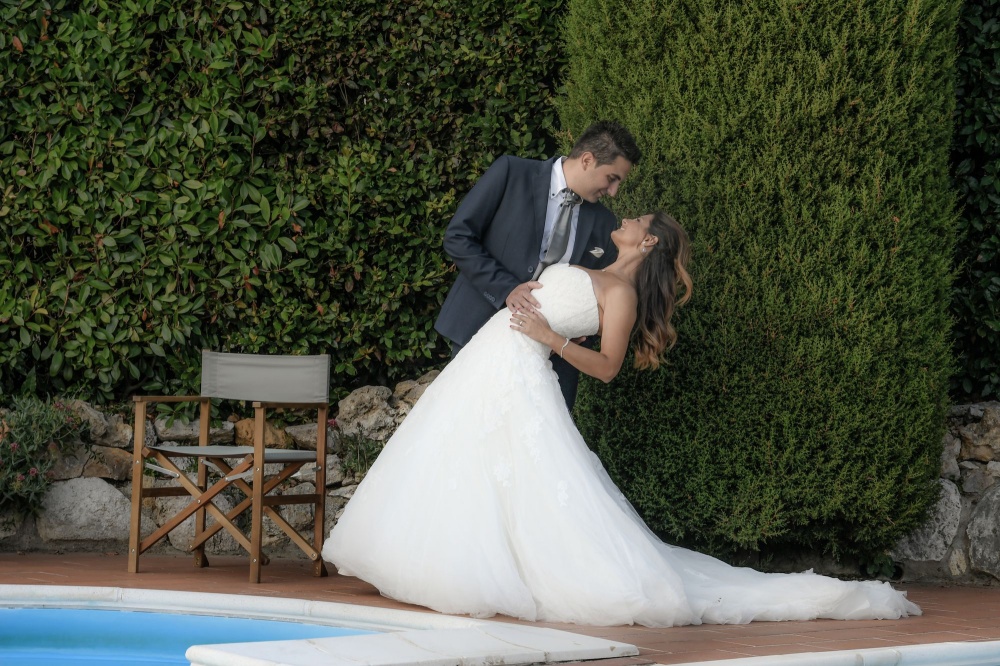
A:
[603,180]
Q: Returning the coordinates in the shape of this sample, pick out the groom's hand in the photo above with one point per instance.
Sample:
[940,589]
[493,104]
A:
[521,300]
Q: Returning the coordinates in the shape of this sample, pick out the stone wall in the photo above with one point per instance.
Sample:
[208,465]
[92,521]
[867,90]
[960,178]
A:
[960,541]
[88,506]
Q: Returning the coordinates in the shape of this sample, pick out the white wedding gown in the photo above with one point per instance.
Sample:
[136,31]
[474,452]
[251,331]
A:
[487,500]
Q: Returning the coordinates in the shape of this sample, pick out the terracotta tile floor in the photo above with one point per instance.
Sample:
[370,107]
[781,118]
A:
[950,613]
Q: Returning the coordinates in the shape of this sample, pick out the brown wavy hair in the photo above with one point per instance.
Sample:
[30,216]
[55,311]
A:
[658,280]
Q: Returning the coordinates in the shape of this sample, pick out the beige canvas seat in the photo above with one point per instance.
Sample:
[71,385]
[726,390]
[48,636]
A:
[268,381]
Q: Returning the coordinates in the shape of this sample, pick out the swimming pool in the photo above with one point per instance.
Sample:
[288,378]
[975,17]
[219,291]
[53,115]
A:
[80,637]
[387,636]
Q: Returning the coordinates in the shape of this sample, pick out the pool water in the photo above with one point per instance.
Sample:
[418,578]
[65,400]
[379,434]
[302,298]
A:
[73,637]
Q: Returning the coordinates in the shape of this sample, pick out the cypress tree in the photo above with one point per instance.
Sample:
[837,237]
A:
[804,146]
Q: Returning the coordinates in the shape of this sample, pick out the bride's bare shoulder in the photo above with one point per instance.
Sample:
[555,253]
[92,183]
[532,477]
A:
[609,285]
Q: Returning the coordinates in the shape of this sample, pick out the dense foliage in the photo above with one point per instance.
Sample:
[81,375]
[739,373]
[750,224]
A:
[976,157]
[805,147]
[257,177]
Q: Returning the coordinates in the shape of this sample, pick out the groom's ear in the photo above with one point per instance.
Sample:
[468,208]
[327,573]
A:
[587,160]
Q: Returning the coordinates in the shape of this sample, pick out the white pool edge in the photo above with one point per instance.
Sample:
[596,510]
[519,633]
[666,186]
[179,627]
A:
[411,638]
[964,653]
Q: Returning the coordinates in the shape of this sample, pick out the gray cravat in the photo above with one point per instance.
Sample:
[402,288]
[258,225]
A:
[560,231]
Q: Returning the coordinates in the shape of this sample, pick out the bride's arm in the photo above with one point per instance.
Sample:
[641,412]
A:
[616,328]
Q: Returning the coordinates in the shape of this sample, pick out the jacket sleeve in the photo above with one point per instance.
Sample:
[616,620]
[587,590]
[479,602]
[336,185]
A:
[464,239]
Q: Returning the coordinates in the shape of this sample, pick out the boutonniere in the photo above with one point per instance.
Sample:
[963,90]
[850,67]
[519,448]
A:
[598,252]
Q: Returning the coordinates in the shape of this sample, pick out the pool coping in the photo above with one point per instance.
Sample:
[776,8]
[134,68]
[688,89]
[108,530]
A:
[963,653]
[409,638]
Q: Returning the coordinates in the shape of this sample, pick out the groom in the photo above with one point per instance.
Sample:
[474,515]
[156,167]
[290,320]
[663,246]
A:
[501,231]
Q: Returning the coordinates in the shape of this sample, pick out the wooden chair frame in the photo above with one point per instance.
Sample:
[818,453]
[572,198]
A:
[258,498]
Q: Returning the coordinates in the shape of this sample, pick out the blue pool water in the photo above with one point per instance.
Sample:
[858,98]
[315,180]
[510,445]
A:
[76,637]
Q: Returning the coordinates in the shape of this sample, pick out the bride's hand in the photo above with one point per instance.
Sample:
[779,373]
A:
[532,324]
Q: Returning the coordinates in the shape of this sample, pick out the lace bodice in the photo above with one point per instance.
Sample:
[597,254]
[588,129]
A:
[568,301]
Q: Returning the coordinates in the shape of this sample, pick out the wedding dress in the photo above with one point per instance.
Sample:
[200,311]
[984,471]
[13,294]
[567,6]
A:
[487,500]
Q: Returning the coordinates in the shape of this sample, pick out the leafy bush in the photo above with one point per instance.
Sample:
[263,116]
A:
[976,160]
[260,177]
[32,437]
[805,148]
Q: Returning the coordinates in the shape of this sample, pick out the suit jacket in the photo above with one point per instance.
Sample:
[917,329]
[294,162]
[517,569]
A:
[495,238]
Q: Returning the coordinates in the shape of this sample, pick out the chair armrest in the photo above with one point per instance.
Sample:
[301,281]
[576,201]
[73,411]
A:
[291,405]
[168,398]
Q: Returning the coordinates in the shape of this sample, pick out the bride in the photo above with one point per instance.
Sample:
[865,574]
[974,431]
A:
[487,500]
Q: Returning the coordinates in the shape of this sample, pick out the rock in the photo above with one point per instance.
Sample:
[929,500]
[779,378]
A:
[10,523]
[949,469]
[298,515]
[95,420]
[176,431]
[949,458]
[930,541]
[149,435]
[70,462]
[408,392]
[118,434]
[109,463]
[274,438]
[224,434]
[84,510]
[369,411]
[181,536]
[972,448]
[347,492]
[304,436]
[957,412]
[334,472]
[952,445]
[981,440]
[976,477]
[958,564]
[334,507]
[189,432]
[104,430]
[984,534]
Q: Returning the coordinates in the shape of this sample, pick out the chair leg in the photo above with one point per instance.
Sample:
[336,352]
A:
[319,512]
[205,414]
[257,497]
[135,520]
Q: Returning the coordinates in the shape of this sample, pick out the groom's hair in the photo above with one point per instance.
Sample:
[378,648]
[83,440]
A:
[608,141]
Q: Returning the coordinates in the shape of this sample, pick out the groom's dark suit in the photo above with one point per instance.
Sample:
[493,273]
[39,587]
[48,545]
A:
[495,238]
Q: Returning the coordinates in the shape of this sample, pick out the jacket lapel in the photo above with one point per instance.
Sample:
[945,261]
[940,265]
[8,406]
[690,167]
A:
[584,227]
[540,202]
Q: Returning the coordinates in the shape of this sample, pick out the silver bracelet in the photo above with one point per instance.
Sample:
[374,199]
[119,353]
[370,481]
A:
[563,348]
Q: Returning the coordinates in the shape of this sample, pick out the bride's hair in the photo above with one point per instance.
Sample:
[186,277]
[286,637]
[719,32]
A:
[658,279]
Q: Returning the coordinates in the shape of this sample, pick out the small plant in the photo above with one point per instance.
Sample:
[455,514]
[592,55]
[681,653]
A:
[32,436]
[360,452]
[882,566]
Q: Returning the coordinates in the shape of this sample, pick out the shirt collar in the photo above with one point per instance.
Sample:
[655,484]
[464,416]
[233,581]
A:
[557,183]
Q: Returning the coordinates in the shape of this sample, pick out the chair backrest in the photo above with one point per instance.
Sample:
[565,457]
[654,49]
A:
[265,378]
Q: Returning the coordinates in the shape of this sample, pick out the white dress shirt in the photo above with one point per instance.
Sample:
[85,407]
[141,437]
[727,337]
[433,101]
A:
[557,183]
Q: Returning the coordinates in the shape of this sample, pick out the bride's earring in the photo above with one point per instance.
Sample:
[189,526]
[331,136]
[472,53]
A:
[644,249]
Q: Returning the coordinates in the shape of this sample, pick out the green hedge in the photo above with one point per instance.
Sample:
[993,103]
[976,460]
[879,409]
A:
[805,148]
[976,159]
[270,177]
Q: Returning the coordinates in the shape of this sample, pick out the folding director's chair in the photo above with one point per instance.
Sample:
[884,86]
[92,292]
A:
[269,381]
